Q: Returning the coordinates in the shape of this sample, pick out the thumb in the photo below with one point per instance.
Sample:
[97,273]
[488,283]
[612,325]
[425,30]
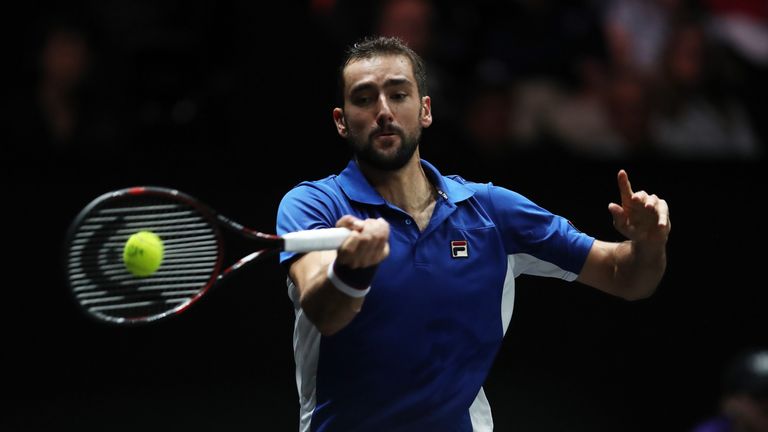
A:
[618,214]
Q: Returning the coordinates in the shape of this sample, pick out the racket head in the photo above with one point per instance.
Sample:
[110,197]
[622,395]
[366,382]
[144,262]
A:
[97,277]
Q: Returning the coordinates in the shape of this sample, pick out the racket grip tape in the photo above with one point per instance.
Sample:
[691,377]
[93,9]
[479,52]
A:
[314,240]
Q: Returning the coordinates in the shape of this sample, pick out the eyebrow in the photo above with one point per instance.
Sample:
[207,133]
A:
[390,82]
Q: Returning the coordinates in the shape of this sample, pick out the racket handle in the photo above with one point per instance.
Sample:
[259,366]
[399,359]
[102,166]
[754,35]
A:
[314,240]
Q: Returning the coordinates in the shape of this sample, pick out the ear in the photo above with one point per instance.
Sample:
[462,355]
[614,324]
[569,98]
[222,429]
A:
[341,124]
[426,111]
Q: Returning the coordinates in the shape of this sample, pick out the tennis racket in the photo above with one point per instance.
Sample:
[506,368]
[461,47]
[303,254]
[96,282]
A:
[192,260]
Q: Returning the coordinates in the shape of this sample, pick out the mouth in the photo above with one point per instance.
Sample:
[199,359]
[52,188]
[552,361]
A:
[386,138]
[387,133]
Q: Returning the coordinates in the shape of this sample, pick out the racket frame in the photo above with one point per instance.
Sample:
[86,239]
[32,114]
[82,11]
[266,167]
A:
[214,219]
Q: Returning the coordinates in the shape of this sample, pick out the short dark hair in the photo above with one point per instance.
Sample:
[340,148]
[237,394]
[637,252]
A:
[373,46]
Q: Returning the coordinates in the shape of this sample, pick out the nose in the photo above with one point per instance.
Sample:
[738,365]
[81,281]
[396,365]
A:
[384,115]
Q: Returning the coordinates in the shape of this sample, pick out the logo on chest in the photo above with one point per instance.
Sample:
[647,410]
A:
[459,249]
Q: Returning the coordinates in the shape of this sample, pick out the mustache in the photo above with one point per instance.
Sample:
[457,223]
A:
[386,130]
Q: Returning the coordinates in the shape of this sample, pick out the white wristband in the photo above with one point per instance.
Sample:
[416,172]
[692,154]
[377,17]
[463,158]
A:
[343,287]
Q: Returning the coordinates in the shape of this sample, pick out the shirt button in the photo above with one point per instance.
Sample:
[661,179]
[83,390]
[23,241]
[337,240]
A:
[407,221]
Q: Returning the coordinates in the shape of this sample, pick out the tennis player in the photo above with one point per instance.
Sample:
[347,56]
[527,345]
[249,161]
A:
[397,329]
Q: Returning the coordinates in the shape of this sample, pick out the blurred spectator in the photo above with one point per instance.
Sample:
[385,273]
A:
[697,114]
[487,118]
[416,23]
[64,63]
[743,25]
[608,117]
[547,49]
[605,116]
[740,27]
[637,31]
[744,396]
[410,20]
[64,111]
[628,107]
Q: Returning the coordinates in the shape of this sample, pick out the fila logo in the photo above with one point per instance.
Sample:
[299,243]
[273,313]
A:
[459,249]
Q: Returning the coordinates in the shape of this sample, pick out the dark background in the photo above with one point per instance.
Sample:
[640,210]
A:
[231,103]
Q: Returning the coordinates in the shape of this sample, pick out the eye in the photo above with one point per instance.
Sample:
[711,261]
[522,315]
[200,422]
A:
[399,96]
[361,100]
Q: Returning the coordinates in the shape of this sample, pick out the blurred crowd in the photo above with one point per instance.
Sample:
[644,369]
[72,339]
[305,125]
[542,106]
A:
[599,79]
[223,82]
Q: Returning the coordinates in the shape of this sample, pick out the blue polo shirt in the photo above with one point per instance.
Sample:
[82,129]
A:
[416,356]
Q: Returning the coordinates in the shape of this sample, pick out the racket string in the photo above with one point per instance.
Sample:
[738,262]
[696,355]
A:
[102,283]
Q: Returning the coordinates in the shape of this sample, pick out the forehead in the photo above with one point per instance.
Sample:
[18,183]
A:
[378,69]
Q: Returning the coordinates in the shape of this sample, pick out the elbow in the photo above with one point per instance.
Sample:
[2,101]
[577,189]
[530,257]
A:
[641,293]
[637,296]
[329,318]
[320,319]
[326,326]
[328,329]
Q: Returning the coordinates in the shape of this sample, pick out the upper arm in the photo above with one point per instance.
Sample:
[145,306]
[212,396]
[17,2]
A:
[557,247]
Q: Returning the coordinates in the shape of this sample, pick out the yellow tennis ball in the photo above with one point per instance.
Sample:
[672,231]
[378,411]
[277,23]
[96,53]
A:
[143,253]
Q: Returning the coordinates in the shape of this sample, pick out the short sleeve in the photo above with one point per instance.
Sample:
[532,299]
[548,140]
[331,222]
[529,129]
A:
[304,207]
[543,240]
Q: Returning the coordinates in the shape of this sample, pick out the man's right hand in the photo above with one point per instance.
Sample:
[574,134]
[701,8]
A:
[367,245]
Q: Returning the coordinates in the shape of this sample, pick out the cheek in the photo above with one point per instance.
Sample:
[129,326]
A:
[355,127]
[352,127]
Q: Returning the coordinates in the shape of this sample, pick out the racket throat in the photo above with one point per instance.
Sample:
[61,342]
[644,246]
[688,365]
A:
[247,260]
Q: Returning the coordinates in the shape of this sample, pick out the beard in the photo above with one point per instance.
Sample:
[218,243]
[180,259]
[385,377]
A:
[365,152]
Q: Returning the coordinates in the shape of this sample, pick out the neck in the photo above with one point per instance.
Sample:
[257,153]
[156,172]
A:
[407,188]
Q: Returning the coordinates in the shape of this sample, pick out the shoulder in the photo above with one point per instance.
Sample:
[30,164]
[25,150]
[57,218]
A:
[316,197]
[310,205]
[486,191]
[313,189]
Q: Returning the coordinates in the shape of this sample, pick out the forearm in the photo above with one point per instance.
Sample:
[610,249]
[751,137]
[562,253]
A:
[639,269]
[629,270]
[333,284]
[327,308]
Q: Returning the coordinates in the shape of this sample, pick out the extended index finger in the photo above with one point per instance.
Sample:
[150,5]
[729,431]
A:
[625,188]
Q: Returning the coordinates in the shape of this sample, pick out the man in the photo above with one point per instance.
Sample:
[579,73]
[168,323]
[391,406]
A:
[398,328]
[744,397]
